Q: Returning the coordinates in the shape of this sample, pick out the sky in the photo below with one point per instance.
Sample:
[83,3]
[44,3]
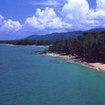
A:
[22,18]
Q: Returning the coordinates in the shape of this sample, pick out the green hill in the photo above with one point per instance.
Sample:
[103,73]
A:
[64,35]
[55,36]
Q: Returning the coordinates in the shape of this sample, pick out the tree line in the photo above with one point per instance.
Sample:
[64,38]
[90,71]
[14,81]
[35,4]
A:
[88,47]
[28,42]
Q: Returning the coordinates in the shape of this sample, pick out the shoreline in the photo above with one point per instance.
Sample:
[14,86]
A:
[97,66]
[25,45]
[71,59]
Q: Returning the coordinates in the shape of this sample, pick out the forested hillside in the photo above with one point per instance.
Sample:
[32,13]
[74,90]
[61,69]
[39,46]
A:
[89,47]
[60,36]
[55,36]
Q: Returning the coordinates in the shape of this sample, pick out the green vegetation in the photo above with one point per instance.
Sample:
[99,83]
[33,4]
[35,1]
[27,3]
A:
[28,42]
[62,36]
[89,47]
[54,36]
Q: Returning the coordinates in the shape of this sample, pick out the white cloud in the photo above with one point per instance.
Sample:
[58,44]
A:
[46,20]
[73,15]
[98,15]
[75,12]
[33,22]
[78,13]
[9,29]
[9,25]
[1,17]
[46,3]
[76,8]
[101,4]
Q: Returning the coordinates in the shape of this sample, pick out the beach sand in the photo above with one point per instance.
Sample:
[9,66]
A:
[98,66]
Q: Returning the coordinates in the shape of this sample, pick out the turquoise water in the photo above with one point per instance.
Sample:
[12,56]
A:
[29,79]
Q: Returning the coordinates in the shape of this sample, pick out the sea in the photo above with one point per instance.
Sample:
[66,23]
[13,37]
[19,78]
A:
[27,78]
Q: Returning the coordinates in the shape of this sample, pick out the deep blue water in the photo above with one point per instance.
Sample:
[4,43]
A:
[29,79]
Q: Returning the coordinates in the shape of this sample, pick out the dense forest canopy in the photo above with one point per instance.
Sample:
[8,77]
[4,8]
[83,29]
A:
[89,47]
[28,42]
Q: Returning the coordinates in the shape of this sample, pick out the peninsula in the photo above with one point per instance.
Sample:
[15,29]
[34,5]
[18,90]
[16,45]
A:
[87,49]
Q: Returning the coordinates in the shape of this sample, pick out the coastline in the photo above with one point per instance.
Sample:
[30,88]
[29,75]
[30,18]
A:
[98,66]
[25,45]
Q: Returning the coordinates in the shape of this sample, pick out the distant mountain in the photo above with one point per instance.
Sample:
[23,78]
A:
[97,29]
[64,35]
[54,36]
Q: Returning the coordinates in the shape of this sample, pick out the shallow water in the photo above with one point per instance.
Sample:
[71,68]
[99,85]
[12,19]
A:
[29,79]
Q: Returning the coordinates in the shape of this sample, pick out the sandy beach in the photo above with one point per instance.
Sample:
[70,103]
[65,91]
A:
[98,66]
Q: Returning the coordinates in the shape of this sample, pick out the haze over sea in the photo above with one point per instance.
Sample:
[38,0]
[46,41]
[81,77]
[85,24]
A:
[29,79]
